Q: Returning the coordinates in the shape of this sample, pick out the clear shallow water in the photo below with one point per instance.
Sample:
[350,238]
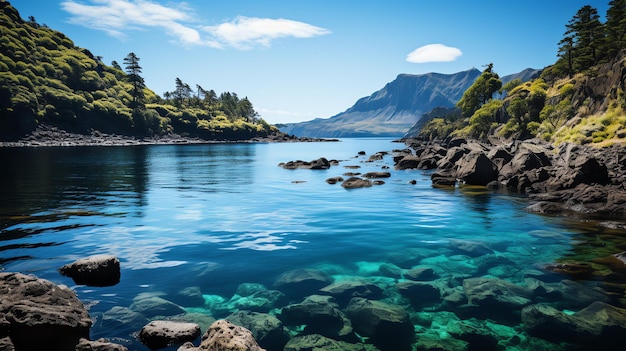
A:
[215,216]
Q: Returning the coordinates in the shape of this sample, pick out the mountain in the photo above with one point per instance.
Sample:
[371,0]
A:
[392,110]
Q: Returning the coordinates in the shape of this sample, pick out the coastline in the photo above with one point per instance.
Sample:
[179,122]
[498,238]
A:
[48,136]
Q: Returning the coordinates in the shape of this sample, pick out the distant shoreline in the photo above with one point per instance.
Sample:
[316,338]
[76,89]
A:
[47,136]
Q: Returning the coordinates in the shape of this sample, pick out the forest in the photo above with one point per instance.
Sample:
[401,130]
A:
[580,98]
[46,79]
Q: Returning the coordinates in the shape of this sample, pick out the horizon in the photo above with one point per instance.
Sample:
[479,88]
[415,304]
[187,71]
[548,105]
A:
[313,59]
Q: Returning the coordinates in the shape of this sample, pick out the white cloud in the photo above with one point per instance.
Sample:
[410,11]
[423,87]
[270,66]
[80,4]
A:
[118,17]
[434,53]
[246,32]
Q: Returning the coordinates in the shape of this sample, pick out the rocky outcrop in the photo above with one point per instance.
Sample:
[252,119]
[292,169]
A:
[98,270]
[600,325]
[320,163]
[160,334]
[33,310]
[565,179]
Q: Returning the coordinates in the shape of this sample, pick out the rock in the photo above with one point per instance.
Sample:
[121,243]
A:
[387,326]
[260,301]
[33,310]
[6,344]
[123,318]
[160,334]
[371,175]
[225,336]
[316,342]
[419,292]
[390,270]
[453,155]
[470,248]
[153,306]
[267,330]
[345,290]
[334,180]
[476,168]
[407,162]
[496,298]
[376,157]
[421,274]
[247,289]
[98,270]
[355,182]
[320,163]
[190,296]
[600,325]
[321,316]
[98,345]
[572,270]
[443,179]
[302,282]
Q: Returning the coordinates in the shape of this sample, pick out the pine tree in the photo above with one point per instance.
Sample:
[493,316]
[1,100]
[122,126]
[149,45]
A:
[615,28]
[133,76]
[583,39]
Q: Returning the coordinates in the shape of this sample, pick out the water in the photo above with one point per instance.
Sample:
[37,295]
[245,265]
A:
[215,216]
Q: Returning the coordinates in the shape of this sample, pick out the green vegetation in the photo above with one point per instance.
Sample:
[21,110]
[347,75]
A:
[45,79]
[578,99]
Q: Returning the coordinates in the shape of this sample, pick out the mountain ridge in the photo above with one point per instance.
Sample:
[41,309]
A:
[392,110]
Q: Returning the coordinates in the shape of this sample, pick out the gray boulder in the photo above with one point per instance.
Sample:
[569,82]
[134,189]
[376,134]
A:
[421,274]
[476,168]
[97,270]
[600,325]
[320,163]
[344,290]
[223,335]
[160,334]
[33,309]
[356,182]
[266,328]
[316,342]
[98,345]
[302,282]
[387,326]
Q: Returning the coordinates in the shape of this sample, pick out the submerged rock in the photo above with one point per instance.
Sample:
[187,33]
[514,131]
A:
[388,326]
[98,270]
[153,306]
[302,282]
[266,328]
[344,290]
[36,312]
[315,342]
[599,325]
[355,182]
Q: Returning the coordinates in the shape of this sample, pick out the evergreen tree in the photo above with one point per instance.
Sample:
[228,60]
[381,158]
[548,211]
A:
[583,39]
[480,92]
[615,28]
[133,76]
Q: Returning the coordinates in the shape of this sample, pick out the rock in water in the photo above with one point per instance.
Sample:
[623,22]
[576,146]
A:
[98,270]
[225,336]
[37,314]
[160,334]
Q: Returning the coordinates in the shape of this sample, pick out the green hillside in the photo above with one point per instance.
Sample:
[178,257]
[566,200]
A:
[46,79]
[581,98]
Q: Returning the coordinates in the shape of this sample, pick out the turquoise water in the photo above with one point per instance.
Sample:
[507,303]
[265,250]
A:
[216,216]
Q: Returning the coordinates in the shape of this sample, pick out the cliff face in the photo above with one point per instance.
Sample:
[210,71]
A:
[392,110]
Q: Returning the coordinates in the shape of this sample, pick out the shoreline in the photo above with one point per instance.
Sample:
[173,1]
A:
[48,136]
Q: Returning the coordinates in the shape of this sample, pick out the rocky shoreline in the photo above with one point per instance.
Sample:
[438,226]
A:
[569,179]
[49,136]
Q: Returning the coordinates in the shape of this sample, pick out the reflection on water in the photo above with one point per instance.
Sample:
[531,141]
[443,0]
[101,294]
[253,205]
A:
[215,216]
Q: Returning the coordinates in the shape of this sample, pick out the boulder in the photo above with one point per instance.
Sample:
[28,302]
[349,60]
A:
[496,298]
[33,310]
[355,182]
[525,160]
[316,342]
[419,292]
[321,316]
[122,319]
[334,180]
[476,168]
[371,175]
[407,162]
[421,274]
[267,330]
[320,163]
[97,270]
[98,345]
[453,155]
[160,334]
[387,326]
[190,296]
[260,301]
[153,306]
[345,290]
[470,248]
[302,282]
[225,336]
[600,325]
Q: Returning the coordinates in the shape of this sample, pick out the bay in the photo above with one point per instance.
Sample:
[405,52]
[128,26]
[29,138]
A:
[215,216]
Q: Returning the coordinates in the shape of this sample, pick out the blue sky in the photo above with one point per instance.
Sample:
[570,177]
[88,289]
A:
[300,60]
